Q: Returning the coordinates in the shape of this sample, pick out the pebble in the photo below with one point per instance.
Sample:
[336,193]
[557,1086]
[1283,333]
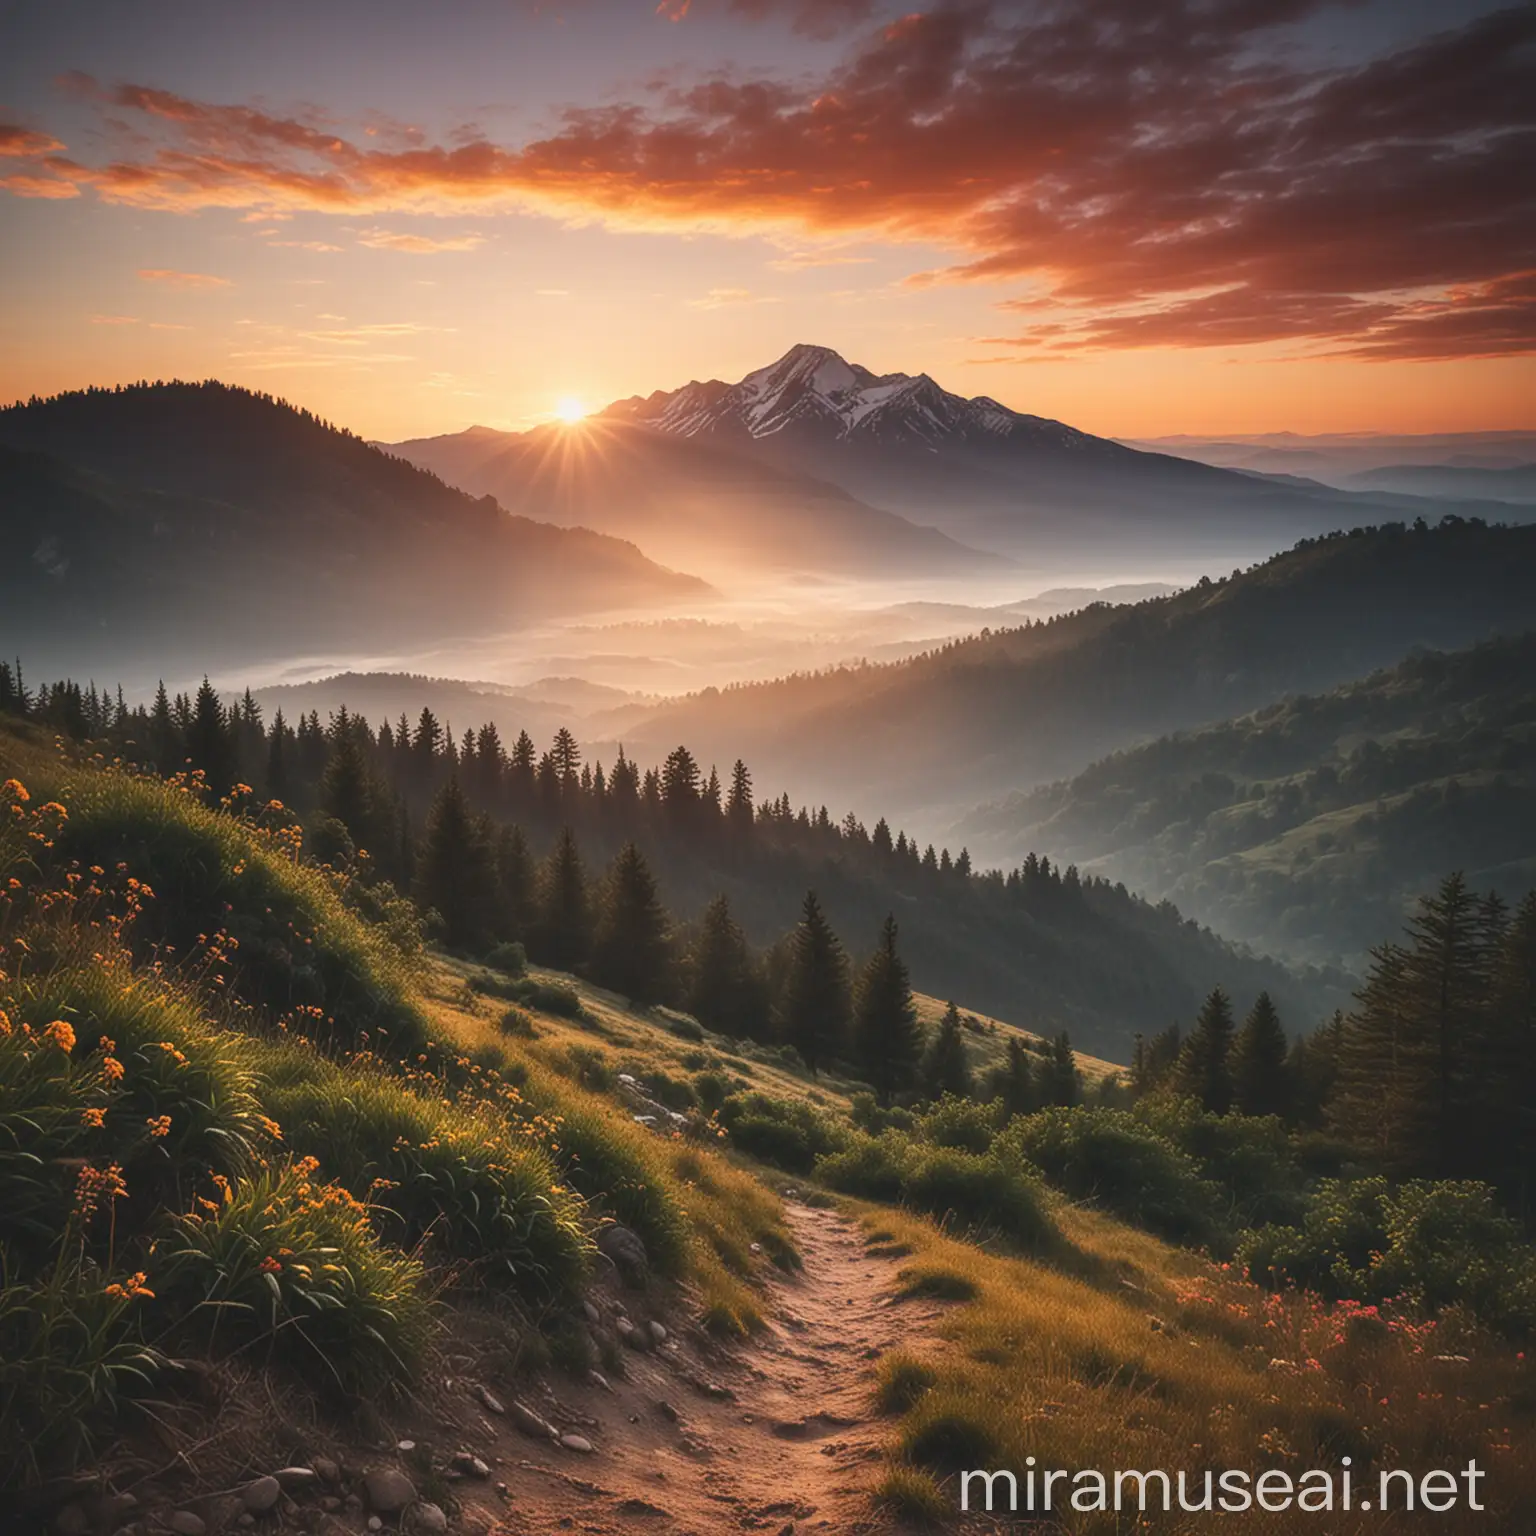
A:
[245,1518]
[489,1402]
[185,1523]
[259,1496]
[658,1333]
[405,1447]
[429,1517]
[530,1423]
[599,1380]
[327,1470]
[593,1315]
[330,1503]
[576,1443]
[468,1462]
[296,1479]
[374,1523]
[388,1490]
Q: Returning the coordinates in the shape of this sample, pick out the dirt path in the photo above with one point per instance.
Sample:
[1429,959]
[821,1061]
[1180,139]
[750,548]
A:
[776,1435]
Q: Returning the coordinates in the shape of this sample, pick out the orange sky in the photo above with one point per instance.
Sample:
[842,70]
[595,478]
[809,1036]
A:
[1139,219]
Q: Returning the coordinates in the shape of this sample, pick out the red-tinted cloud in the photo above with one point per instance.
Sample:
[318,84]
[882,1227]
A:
[1163,168]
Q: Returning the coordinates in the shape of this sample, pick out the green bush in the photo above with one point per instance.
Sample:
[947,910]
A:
[1249,1158]
[556,997]
[290,1268]
[959,1122]
[1429,1244]
[510,959]
[786,1133]
[1116,1160]
[868,1114]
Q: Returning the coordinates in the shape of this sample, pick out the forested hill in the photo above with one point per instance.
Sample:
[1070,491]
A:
[1008,710]
[1309,826]
[161,516]
[1039,946]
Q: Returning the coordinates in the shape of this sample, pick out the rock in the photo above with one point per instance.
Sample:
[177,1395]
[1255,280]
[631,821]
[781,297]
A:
[258,1497]
[330,1503]
[470,1464]
[72,1520]
[374,1523]
[185,1523]
[532,1424]
[245,1518]
[576,1443]
[429,1517]
[326,1470]
[659,1333]
[599,1380]
[592,1314]
[488,1402]
[666,1410]
[623,1248]
[755,1247]
[388,1490]
[405,1447]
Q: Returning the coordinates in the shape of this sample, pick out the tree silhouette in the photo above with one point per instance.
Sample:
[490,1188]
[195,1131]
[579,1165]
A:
[1205,1070]
[887,1039]
[945,1068]
[1260,1075]
[632,949]
[563,932]
[816,993]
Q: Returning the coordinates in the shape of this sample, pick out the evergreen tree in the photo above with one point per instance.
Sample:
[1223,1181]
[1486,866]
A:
[516,884]
[350,794]
[816,994]
[209,745]
[887,1039]
[166,748]
[632,948]
[1205,1070]
[455,870]
[726,991]
[945,1068]
[1013,1084]
[562,934]
[1061,1084]
[1260,1075]
[738,803]
[1509,1106]
[276,777]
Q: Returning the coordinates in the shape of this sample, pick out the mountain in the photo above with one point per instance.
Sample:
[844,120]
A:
[1337,457]
[154,516]
[694,503]
[1310,826]
[930,737]
[1514,483]
[1023,485]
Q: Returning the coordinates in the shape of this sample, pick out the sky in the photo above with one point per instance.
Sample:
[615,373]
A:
[1138,216]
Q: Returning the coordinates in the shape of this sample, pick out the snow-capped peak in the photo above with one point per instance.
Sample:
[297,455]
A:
[813,390]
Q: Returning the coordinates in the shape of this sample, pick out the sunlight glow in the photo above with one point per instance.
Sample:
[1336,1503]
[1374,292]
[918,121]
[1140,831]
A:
[570,409]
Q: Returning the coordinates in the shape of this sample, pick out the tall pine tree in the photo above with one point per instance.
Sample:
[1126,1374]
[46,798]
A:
[1260,1074]
[816,994]
[1205,1068]
[945,1068]
[632,948]
[562,934]
[887,1039]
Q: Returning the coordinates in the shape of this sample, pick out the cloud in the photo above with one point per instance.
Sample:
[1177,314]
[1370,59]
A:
[812,18]
[18,143]
[1161,172]
[199,282]
[417,245]
[723,298]
[114,319]
[38,186]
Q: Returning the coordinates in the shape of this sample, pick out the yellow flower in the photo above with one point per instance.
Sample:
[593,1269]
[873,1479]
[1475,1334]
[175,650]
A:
[132,1287]
[94,1118]
[159,1125]
[112,1069]
[271,1127]
[14,789]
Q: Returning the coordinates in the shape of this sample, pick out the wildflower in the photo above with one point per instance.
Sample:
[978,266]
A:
[112,1069]
[159,1125]
[97,1184]
[60,1034]
[14,789]
[131,1288]
[271,1127]
[270,1266]
[93,1118]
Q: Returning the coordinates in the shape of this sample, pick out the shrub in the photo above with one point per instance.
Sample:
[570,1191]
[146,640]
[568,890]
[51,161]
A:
[1432,1245]
[959,1122]
[289,1266]
[868,1114]
[1111,1157]
[510,959]
[556,997]
[786,1133]
[1248,1157]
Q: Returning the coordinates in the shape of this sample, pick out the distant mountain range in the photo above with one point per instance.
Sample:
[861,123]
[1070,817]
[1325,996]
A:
[1023,486]
[929,737]
[694,504]
[143,521]
[1310,826]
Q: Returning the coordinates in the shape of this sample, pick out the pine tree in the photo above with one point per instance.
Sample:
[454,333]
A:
[1377,1101]
[1061,1084]
[562,933]
[166,748]
[945,1068]
[350,794]
[516,885]
[1204,1071]
[632,948]
[817,1005]
[209,746]
[738,803]
[887,1039]
[1510,1104]
[726,990]
[1260,1075]
[455,870]
[1013,1083]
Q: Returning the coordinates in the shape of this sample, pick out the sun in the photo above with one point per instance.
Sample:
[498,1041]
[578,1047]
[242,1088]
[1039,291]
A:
[570,410]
